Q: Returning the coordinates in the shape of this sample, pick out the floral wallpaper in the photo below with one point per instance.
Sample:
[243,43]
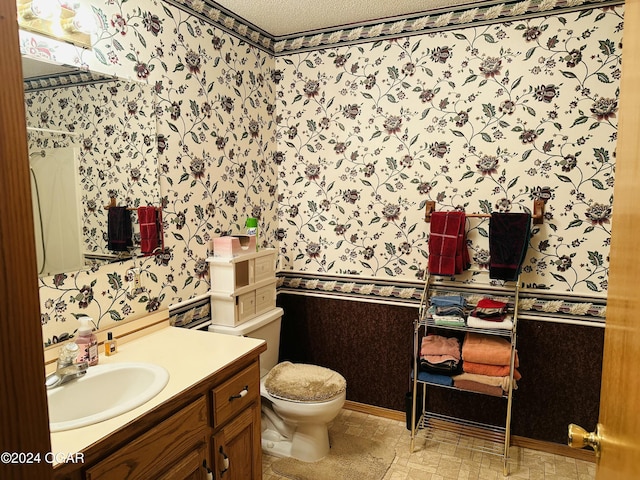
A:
[481,119]
[336,150]
[116,133]
[215,143]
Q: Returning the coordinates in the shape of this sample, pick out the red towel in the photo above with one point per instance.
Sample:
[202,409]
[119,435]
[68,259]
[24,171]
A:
[490,303]
[148,221]
[448,254]
[491,310]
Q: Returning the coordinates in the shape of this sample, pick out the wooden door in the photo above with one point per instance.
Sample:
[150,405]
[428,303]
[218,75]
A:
[24,421]
[619,424]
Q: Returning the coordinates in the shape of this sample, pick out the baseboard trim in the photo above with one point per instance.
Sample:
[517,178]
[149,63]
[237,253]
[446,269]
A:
[375,411]
[517,441]
[554,448]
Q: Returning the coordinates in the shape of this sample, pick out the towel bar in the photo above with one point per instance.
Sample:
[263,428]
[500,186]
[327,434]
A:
[538,212]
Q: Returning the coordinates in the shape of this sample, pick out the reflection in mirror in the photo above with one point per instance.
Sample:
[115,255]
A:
[56,210]
[92,147]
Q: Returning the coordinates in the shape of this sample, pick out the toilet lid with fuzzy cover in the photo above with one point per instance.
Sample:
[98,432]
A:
[300,382]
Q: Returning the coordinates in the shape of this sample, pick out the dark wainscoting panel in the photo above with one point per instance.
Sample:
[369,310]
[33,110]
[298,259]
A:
[371,345]
[561,366]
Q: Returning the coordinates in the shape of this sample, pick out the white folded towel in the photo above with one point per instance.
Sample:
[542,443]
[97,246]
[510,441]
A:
[475,322]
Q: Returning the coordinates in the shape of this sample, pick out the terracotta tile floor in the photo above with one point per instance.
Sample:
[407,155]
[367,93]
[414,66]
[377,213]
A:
[437,461]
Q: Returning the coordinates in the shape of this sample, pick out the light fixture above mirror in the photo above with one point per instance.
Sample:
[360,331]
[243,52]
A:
[66,21]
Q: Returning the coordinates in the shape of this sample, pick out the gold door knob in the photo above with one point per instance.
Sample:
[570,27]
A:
[579,438]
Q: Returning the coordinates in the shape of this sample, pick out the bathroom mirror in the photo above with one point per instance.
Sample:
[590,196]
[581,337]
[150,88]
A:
[92,146]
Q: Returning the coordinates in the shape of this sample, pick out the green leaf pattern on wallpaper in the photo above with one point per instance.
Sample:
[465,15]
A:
[116,146]
[337,150]
[215,141]
[483,119]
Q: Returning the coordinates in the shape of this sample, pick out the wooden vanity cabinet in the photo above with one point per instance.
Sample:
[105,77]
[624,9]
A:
[212,428]
[162,448]
[237,444]
[192,466]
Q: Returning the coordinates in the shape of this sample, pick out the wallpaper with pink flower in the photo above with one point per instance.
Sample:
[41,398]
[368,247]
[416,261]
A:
[114,129]
[336,150]
[481,119]
[215,137]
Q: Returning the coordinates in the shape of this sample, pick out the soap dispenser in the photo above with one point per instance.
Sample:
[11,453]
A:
[87,342]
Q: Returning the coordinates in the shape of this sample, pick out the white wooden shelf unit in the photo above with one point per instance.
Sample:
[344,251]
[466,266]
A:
[242,287]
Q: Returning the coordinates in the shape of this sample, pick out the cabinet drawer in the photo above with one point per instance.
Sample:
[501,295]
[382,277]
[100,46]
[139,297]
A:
[246,306]
[235,394]
[264,268]
[157,449]
[265,298]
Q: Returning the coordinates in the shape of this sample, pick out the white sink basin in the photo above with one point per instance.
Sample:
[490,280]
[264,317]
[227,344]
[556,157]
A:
[104,392]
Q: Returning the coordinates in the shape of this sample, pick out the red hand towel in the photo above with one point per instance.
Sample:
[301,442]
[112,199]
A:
[490,303]
[491,310]
[443,243]
[448,254]
[148,229]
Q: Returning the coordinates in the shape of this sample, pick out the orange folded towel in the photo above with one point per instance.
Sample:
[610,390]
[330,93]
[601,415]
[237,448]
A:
[491,370]
[488,349]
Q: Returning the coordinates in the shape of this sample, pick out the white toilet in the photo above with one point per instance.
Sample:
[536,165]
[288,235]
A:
[298,400]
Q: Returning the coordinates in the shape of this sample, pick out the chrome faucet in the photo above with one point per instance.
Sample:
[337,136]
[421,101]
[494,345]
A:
[66,368]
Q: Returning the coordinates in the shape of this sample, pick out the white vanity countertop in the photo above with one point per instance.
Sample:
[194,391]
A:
[188,355]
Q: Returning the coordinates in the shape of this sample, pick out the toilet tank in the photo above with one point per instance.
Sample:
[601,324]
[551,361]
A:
[265,327]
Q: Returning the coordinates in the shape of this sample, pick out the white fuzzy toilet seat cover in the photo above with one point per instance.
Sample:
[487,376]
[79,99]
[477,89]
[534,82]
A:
[301,382]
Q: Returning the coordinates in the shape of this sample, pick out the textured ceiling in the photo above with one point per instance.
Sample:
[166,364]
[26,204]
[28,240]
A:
[280,18]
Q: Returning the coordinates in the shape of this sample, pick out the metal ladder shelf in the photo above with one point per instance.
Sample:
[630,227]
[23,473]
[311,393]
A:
[484,438]
[475,436]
